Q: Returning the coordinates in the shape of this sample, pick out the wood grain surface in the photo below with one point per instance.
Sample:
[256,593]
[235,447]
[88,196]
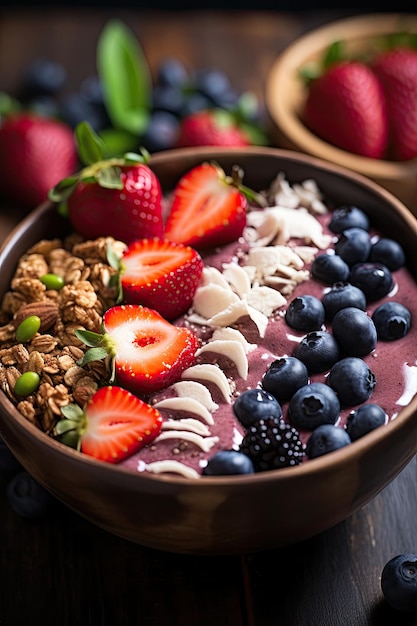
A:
[62,570]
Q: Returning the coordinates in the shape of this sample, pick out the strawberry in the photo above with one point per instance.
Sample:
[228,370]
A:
[160,274]
[148,353]
[208,208]
[346,107]
[214,127]
[35,153]
[113,425]
[397,72]
[118,197]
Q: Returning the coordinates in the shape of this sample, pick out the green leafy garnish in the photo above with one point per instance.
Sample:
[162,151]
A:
[125,76]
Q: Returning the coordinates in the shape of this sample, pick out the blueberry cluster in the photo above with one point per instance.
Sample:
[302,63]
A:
[358,271]
[26,496]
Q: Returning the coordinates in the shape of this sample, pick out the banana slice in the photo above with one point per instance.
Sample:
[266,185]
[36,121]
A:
[210,373]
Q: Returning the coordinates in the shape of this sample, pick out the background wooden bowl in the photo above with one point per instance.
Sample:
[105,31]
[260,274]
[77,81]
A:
[222,515]
[286,93]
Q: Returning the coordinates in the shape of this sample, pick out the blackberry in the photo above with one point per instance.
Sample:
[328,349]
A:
[271,443]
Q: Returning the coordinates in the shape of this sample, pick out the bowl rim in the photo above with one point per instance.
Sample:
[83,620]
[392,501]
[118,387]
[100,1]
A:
[319,465]
[281,76]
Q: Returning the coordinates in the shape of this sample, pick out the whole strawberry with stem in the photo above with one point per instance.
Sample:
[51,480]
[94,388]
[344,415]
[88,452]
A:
[213,127]
[118,197]
[346,107]
[113,425]
[36,152]
[397,71]
[147,353]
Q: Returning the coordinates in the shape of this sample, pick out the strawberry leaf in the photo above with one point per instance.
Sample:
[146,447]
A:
[125,76]
[73,414]
[90,338]
[117,141]
[334,53]
[93,354]
[63,189]
[109,177]
[90,146]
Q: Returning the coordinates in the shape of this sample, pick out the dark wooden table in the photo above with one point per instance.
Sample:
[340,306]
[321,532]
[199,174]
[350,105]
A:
[62,570]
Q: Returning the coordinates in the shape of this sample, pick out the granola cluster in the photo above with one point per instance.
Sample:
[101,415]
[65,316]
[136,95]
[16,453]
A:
[53,352]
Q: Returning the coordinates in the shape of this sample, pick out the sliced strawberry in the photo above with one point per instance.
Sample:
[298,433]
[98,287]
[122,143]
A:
[113,425]
[208,208]
[161,275]
[148,352]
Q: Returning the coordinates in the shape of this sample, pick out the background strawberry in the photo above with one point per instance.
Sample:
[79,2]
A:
[397,72]
[118,197]
[346,107]
[112,426]
[161,275]
[215,127]
[148,353]
[35,153]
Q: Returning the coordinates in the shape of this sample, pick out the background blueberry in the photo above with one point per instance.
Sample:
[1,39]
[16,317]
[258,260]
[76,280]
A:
[388,252]
[399,582]
[348,216]
[392,320]
[330,268]
[354,331]
[313,405]
[324,439]
[227,462]
[353,245]
[340,296]
[255,404]
[352,380]
[366,418]
[284,376]
[374,279]
[318,350]
[305,313]
[27,497]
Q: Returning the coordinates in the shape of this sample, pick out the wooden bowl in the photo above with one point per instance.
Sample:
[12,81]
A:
[222,515]
[286,93]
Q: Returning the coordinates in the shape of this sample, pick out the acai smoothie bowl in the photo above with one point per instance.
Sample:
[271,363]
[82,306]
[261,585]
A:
[212,351]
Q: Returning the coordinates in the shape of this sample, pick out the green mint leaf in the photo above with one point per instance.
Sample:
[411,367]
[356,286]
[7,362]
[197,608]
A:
[90,146]
[125,76]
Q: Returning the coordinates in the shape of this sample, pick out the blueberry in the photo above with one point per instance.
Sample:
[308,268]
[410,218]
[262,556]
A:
[399,582]
[324,439]
[305,313]
[284,376]
[388,252]
[392,320]
[212,83]
[347,217]
[366,418]
[340,296]
[313,405]
[27,497]
[8,462]
[255,404]
[161,132]
[168,99]
[43,77]
[172,73]
[353,245]
[352,380]
[227,462]
[330,268]
[318,350]
[374,279]
[76,108]
[195,102]
[354,331]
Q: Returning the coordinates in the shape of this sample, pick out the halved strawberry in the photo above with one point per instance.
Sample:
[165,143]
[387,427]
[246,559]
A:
[160,274]
[148,353]
[208,208]
[113,425]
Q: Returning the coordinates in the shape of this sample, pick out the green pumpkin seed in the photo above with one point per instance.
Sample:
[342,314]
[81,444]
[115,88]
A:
[26,384]
[28,328]
[52,281]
